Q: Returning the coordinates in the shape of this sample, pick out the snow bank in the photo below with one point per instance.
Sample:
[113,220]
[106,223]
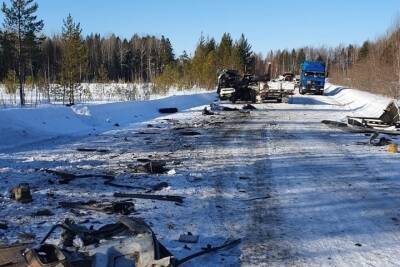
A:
[25,125]
[359,103]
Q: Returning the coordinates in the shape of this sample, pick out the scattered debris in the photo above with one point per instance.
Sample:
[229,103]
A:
[84,149]
[335,123]
[229,109]
[189,133]
[217,107]
[42,212]
[26,236]
[3,226]
[388,122]
[393,148]
[119,207]
[123,186]
[128,242]
[172,172]
[21,193]
[383,141]
[11,256]
[45,255]
[65,178]
[209,249]
[207,112]
[168,110]
[159,186]
[249,107]
[188,238]
[172,198]
[153,166]
[258,198]
[143,160]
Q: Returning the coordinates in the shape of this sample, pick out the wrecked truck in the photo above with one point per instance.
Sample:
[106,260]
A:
[248,88]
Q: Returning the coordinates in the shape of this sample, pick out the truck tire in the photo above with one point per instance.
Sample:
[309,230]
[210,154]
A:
[279,100]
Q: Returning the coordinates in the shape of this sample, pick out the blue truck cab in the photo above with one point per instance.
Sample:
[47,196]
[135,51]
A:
[312,78]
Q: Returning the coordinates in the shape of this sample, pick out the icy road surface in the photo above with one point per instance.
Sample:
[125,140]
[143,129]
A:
[297,192]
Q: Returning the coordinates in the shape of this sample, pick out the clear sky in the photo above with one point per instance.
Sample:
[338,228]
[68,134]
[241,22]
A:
[268,24]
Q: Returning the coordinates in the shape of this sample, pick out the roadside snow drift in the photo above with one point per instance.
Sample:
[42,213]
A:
[25,125]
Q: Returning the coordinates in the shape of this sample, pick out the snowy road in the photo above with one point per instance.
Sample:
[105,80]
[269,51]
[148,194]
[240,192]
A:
[297,192]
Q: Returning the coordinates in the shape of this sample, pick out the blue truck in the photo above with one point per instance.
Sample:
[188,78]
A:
[312,78]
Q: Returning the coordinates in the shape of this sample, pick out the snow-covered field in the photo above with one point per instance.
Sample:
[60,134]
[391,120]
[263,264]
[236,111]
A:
[21,126]
[297,192]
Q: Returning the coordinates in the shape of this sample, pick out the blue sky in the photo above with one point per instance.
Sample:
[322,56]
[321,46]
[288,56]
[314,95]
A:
[268,24]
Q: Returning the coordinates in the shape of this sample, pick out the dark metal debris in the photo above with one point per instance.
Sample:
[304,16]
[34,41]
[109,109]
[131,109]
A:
[207,112]
[119,207]
[21,193]
[188,238]
[249,107]
[65,177]
[172,198]
[168,110]
[43,212]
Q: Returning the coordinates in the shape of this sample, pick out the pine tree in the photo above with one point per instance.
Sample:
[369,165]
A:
[74,56]
[364,51]
[301,57]
[245,54]
[167,54]
[20,21]
[224,51]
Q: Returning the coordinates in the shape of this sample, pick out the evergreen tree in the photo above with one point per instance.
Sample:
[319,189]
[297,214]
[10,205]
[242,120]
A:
[301,57]
[22,23]
[166,54]
[224,51]
[74,56]
[245,54]
[364,51]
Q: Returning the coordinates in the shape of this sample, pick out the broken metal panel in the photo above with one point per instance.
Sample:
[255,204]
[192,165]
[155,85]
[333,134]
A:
[388,121]
[11,256]
[390,114]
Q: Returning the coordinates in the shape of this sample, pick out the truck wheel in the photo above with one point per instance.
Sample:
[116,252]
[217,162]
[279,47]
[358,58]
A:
[279,100]
[301,92]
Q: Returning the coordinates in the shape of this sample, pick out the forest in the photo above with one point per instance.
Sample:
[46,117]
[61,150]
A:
[30,59]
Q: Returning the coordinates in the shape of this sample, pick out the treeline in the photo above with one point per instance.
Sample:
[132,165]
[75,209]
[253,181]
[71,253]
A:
[30,59]
[209,57]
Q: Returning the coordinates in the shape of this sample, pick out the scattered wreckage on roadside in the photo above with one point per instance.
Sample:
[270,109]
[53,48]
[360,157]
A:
[388,123]
[126,243]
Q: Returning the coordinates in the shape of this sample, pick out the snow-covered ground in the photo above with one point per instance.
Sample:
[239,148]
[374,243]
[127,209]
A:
[92,93]
[297,192]
[21,126]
